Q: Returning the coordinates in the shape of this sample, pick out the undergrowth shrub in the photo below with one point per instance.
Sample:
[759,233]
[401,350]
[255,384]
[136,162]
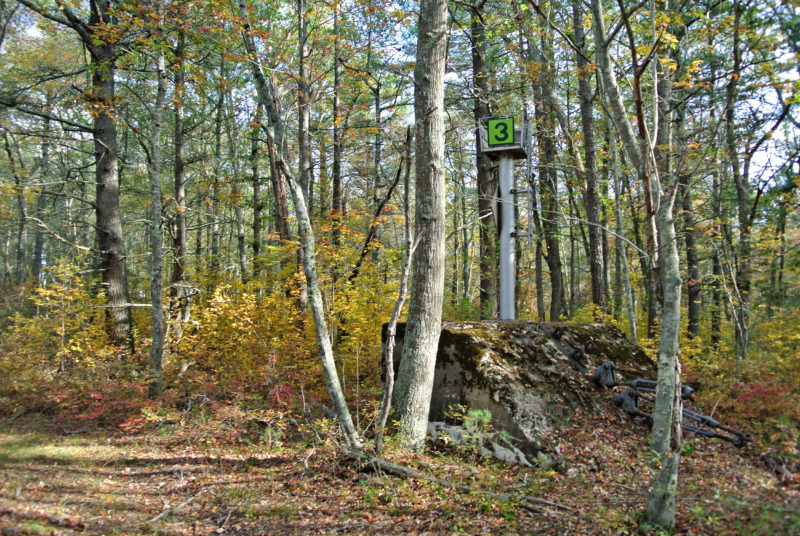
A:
[64,328]
[760,393]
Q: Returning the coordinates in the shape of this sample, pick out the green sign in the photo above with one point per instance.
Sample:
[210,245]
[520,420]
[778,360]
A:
[500,131]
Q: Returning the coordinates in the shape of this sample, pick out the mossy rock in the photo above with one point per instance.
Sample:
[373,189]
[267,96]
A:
[532,376]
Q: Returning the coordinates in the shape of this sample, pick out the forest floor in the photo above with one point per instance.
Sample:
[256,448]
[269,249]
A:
[231,471]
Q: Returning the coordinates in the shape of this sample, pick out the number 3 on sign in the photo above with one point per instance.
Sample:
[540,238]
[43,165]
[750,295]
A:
[500,131]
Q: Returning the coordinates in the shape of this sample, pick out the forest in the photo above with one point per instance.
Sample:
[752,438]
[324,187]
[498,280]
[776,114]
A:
[208,211]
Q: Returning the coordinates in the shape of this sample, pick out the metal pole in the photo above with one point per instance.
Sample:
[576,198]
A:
[507,261]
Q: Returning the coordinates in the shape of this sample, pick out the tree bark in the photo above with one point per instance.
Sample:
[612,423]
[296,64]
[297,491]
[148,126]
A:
[415,378]
[156,253]
[258,207]
[110,242]
[742,184]
[18,171]
[667,414]
[336,187]
[178,285]
[41,200]
[111,258]
[486,193]
[591,196]
[267,97]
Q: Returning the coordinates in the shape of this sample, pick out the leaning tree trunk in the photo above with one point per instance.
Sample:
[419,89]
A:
[267,97]
[415,377]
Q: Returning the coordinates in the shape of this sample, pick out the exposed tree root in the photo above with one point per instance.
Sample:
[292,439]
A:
[379,464]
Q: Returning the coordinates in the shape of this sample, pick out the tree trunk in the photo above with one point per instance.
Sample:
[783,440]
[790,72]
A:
[336,186]
[668,406]
[376,160]
[667,413]
[742,183]
[267,97]
[692,259]
[216,185]
[486,194]
[112,257]
[280,204]
[18,171]
[621,246]
[236,193]
[303,100]
[415,379]
[110,244]
[41,200]
[466,234]
[549,195]
[156,254]
[179,287]
[258,207]
[591,196]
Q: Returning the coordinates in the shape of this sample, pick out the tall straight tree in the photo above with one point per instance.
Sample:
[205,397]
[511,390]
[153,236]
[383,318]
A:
[156,251]
[100,39]
[178,285]
[415,377]
[591,196]
[488,238]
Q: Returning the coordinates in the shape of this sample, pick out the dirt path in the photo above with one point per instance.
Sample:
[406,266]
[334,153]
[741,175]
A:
[156,483]
[202,477]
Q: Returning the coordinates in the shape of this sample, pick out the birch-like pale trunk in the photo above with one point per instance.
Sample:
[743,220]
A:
[41,199]
[267,96]
[415,376]
[621,248]
[156,252]
[18,171]
[666,439]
